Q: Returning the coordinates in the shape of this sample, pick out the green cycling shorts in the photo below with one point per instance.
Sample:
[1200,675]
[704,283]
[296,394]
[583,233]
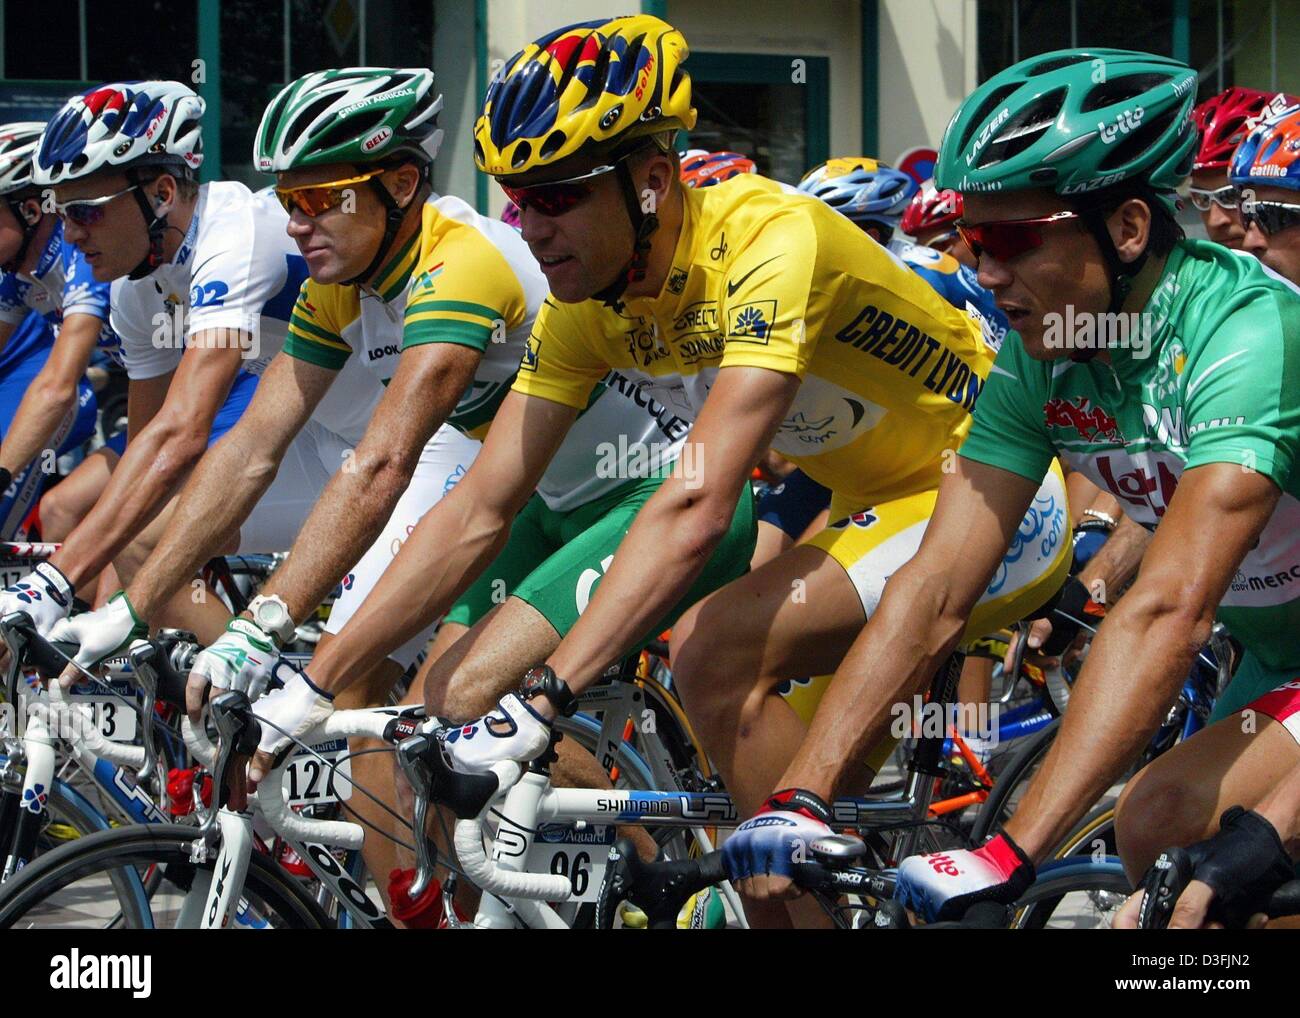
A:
[554,560]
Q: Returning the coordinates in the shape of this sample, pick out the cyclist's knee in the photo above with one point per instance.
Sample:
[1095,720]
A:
[60,513]
[1158,808]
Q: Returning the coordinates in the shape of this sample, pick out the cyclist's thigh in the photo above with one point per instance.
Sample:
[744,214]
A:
[67,503]
[443,462]
[563,585]
[489,660]
[1183,792]
[312,457]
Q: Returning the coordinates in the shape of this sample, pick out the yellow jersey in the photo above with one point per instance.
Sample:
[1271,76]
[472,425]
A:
[764,278]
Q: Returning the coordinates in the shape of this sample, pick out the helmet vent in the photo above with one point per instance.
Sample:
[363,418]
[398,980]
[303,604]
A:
[277,111]
[523,152]
[1025,128]
[981,116]
[1145,137]
[1121,90]
[1055,63]
[302,123]
[342,132]
[553,143]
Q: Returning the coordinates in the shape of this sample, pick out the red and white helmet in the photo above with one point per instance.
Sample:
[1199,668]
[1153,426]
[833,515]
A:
[131,123]
[18,143]
[931,209]
[702,168]
[1224,121]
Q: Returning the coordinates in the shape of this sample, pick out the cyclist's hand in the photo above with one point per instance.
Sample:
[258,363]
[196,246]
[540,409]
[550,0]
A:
[942,885]
[45,594]
[761,856]
[292,711]
[99,634]
[514,732]
[242,658]
[1040,630]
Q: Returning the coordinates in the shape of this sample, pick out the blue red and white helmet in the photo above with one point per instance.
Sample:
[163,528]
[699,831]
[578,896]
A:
[869,192]
[702,168]
[130,123]
[18,143]
[1270,155]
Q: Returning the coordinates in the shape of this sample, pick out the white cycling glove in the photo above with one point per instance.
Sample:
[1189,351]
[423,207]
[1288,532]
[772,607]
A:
[242,658]
[101,633]
[297,709]
[516,732]
[45,594]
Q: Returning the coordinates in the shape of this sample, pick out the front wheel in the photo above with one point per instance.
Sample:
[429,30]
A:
[61,888]
[1073,894]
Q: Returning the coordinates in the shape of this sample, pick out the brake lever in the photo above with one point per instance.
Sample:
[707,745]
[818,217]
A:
[142,657]
[411,758]
[238,734]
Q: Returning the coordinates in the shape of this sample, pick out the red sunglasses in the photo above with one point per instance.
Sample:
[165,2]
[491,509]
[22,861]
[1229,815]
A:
[1004,239]
[556,197]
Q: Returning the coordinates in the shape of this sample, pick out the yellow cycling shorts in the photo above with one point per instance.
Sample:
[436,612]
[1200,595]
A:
[873,543]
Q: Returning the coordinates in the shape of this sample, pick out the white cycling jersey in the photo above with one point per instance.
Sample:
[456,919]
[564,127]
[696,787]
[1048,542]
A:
[237,269]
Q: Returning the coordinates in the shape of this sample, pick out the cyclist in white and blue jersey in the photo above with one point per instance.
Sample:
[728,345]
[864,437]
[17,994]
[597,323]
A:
[203,282]
[52,316]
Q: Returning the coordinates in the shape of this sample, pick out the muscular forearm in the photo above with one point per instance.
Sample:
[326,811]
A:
[914,629]
[1281,808]
[42,409]
[154,465]
[666,548]
[1116,563]
[1134,670]
[217,498]
[347,519]
[450,547]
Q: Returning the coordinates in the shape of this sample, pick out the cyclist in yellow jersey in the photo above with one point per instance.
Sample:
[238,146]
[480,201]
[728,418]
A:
[764,316]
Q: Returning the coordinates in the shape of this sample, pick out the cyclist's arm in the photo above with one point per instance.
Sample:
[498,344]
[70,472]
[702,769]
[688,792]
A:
[158,458]
[358,501]
[1145,647]
[52,394]
[677,530]
[1281,808]
[230,479]
[920,619]
[454,541]
[1117,560]
[6,330]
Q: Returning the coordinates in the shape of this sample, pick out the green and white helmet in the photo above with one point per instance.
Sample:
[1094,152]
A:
[1075,121]
[350,115]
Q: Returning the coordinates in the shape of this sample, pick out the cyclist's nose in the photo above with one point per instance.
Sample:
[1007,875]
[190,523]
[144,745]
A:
[993,274]
[1255,241]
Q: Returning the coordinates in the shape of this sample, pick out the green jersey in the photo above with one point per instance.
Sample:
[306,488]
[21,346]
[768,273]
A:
[1213,376]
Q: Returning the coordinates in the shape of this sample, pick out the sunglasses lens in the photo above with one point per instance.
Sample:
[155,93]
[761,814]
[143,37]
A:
[311,200]
[84,215]
[1201,201]
[1003,241]
[548,199]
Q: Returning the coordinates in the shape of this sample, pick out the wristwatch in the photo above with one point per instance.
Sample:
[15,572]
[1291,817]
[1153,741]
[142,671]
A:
[272,616]
[542,681]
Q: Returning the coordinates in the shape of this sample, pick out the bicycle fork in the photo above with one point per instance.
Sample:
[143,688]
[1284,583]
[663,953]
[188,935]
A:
[29,804]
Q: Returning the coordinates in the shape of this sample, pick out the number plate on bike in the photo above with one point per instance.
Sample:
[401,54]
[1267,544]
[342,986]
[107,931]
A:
[116,718]
[579,855]
[308,782]
[14,569]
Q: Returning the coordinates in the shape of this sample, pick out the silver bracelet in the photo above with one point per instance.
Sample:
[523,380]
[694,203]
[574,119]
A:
[1105,518]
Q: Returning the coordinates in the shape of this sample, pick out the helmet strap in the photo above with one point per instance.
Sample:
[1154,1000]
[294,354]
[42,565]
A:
[29,231]
[644,225]
[155,224]
[1120,274]
[394,216]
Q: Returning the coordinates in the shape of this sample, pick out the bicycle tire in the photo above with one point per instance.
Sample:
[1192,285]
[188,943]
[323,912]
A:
[271,891]
[1040,904]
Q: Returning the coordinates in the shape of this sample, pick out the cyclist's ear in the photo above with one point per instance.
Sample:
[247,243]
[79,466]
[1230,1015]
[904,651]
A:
[404,183]
[1130,228]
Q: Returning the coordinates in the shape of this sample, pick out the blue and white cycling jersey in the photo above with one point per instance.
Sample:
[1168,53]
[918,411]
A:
[61,284]
[956,283]
[236,270]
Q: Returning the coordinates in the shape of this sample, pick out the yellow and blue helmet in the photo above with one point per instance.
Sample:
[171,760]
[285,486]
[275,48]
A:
[590,87]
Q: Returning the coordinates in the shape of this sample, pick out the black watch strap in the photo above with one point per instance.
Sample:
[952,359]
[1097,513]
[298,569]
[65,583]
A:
[542,681]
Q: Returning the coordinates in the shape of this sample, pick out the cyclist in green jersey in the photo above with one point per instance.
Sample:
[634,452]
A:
[1068,164]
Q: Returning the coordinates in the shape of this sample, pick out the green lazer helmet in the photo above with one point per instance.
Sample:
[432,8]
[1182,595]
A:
[1075,121]
[351,115]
